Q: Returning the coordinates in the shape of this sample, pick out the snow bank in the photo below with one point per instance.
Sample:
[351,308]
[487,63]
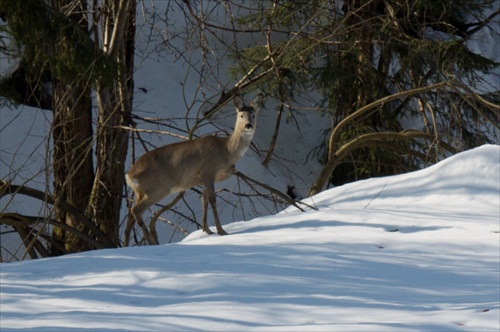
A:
[414,252]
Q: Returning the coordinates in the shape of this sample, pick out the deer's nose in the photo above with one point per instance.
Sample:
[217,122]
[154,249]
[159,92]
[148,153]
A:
[248,126]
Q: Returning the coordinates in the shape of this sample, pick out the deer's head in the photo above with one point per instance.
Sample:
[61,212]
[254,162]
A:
[246,116]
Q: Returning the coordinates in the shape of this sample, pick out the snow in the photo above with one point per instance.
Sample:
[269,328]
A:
[413,252]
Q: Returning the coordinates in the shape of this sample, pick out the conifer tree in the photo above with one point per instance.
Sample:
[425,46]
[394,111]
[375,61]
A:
[359,52]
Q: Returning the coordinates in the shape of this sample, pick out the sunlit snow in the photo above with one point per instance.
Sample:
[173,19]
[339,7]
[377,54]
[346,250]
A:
[414,252]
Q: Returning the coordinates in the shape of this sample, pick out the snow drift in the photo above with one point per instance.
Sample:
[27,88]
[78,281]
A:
[413,252]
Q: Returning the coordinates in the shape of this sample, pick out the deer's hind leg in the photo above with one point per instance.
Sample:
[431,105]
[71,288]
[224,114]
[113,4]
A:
[128,228]
[204,202]
[141,204]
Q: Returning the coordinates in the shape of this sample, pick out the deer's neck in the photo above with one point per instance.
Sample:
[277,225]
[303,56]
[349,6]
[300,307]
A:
[238,144]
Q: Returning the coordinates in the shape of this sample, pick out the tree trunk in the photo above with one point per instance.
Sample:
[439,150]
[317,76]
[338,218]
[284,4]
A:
[115,106]
[361,87]
[72,136]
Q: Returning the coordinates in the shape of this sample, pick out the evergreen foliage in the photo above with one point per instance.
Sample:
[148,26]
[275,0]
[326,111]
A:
[35,29]
[356,52]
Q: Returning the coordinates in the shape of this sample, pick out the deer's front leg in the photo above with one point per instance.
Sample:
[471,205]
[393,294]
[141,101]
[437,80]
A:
[212,200]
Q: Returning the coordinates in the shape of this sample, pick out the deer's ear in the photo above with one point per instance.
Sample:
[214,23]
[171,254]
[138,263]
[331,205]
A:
[258,102]
[238,102]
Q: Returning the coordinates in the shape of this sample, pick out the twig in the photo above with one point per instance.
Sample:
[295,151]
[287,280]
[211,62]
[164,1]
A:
[274,191]
[377,195]
[152,132]
[152,223]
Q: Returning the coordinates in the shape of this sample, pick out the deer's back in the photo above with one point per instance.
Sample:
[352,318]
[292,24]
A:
[180,166]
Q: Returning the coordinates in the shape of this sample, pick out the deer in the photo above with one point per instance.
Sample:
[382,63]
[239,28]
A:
[177,167]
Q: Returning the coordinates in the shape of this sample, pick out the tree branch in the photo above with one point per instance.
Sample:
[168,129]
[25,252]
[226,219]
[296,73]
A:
[370,139]
[381,101]
[225,97]
[19,220]
[274,191]
[152,223]
[9,189]
[333,153]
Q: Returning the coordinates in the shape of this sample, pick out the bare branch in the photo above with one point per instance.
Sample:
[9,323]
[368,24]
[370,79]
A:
[152,223]
[274,191]
[370,139]
[10,189]
[161,132]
